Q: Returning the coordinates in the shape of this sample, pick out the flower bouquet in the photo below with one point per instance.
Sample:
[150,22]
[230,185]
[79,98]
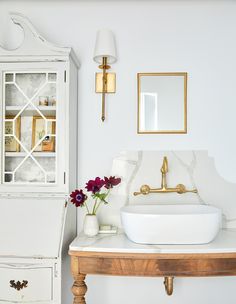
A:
[99,189]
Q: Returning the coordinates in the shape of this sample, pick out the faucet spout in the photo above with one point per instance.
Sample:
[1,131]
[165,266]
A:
[164,168]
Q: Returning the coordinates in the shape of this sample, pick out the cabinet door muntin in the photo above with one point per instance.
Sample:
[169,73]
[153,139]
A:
[30,131]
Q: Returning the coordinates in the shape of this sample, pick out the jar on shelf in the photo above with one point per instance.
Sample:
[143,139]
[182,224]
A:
[43,100]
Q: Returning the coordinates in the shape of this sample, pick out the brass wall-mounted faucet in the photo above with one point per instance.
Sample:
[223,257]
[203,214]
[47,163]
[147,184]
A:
[180,188]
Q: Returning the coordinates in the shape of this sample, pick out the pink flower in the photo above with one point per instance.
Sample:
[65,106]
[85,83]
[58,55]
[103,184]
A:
[95,185]
[78,198]
[111,181]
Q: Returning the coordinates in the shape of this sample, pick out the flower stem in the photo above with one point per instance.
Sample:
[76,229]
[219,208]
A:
[86,207]
[94,207]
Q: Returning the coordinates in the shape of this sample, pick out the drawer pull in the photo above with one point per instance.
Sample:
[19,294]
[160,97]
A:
[18,285]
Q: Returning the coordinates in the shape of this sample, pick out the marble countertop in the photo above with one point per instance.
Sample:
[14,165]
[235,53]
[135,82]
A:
[225,242]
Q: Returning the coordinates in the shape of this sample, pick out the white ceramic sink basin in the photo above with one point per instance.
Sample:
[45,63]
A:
[171,224]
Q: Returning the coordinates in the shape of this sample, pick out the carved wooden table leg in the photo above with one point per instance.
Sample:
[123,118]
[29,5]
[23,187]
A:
[79,289]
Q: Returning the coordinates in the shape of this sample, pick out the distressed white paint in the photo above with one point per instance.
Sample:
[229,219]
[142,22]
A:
[36,222]
[35,45]
[43,275]
[29,223]
[39,287]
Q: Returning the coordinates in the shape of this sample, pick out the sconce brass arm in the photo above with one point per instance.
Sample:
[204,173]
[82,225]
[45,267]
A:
[104,67]
[180,188]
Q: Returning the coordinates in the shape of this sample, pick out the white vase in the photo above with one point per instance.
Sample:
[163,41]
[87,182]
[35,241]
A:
[91,226]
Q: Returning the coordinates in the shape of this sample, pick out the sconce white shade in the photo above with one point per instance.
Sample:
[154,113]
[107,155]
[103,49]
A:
[105,47]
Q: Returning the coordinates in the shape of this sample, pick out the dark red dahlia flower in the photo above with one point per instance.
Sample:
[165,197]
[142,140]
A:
[111,181]
[78,197]
[95,185]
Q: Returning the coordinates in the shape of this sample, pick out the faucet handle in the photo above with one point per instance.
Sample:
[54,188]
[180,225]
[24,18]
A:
[182,189]
[145,189]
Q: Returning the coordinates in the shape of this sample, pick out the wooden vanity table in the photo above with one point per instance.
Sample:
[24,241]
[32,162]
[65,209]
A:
[116,255]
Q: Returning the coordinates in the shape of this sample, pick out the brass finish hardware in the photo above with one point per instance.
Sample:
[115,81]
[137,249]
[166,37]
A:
[164,170]
[105,83]
[110,84]
[169,285]
[18,285]
[180,188]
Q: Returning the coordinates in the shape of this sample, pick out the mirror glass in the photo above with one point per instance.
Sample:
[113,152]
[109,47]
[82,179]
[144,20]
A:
[162,103]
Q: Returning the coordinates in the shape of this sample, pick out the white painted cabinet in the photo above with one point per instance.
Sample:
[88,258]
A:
[35,135]
[37,283]
[38,129]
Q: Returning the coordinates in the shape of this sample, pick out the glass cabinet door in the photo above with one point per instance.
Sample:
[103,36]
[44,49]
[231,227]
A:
[30,127]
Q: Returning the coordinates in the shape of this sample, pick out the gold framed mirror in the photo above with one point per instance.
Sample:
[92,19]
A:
[162,103]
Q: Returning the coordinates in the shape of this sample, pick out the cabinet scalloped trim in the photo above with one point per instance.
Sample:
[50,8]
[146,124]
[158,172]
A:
[35,44]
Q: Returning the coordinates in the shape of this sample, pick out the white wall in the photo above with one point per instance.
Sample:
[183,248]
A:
[156,36]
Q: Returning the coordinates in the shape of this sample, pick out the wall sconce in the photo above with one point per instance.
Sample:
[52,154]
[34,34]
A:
[105,54]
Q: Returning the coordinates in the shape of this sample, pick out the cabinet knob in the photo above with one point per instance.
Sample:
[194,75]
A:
[18,285]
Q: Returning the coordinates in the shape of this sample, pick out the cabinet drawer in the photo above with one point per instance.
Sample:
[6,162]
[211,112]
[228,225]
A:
[37,288]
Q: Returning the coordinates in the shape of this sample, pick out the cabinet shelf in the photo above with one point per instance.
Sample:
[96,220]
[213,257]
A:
[35,154]
[30,111]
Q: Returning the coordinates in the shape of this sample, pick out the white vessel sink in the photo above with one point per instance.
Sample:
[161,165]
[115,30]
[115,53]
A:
[171,224]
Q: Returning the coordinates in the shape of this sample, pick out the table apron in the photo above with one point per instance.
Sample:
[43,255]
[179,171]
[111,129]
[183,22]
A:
[196,267]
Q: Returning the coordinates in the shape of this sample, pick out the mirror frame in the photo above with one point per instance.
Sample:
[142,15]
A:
[185,75]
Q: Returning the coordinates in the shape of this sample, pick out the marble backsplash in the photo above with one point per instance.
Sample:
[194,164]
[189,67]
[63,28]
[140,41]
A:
[194,169]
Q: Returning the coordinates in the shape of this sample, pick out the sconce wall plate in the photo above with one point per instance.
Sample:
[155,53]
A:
[110,84]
